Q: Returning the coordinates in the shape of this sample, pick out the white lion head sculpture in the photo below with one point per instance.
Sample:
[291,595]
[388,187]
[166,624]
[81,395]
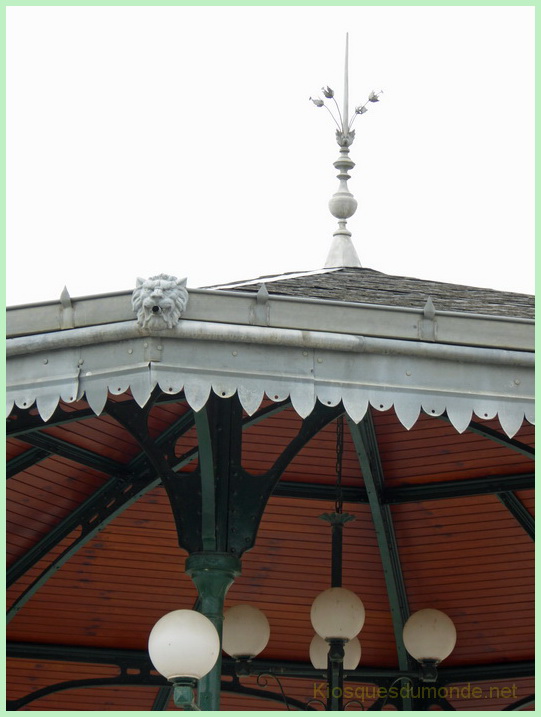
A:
[159,301]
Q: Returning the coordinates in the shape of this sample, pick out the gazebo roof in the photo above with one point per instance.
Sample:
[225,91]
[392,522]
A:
[368,286]
[436,383]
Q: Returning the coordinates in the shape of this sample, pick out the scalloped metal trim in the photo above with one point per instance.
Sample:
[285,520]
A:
[392,376]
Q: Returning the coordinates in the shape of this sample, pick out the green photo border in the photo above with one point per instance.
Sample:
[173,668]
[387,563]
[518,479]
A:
[238,3]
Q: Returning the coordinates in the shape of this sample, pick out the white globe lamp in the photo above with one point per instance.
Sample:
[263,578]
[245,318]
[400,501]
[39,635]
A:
[184,644]
[429,636]
[337,614]
[246,631]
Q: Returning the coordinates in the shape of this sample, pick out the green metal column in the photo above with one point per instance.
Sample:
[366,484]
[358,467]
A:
[213,573]
[366,446]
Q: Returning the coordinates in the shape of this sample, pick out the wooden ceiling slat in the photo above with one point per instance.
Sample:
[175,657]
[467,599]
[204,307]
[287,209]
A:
[54,477]
[16,547]
[49,505]
[447,511]
[517,629]
[417,589]
[26,489]
[371,583]
[19,528]
[437,472]
[458,547]
[480,603]
[457,504]
[476,561]
[470,453]
[15,447]
[440,437]
[434,572]
[97,435]
[60,670]
[493,646]
[463,544]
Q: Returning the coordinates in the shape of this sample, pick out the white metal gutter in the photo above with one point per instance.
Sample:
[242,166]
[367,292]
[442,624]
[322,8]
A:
[241,308]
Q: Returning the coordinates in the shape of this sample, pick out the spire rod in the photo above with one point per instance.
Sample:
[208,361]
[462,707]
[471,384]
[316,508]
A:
[345,114]
[343,204]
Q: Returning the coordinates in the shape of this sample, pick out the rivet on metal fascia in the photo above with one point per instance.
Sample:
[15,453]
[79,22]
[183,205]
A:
[343,204]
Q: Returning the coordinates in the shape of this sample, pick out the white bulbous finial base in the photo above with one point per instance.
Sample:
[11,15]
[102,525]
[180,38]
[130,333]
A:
[342,252]
[343,205]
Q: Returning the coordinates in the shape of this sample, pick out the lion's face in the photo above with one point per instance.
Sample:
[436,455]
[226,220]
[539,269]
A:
[159,301]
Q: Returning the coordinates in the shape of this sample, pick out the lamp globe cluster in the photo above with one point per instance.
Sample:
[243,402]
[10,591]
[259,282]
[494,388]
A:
[184,645]
[336,614]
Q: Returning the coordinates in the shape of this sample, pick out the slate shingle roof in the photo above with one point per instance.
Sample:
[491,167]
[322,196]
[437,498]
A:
[373,287]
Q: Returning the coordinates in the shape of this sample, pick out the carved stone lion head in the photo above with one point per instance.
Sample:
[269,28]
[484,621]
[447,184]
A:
[159,301]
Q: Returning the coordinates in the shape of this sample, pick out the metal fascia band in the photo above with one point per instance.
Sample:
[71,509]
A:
[211,331]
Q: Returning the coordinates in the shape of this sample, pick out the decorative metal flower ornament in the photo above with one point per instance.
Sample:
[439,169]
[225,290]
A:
[344,134]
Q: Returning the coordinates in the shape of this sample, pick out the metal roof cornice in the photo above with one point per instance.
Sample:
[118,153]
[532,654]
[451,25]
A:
[273,351]
[285,312]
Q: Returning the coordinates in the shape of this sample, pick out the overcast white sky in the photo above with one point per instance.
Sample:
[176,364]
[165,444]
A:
[181,140]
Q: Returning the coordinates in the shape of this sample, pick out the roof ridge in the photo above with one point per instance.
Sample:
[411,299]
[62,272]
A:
[273,277]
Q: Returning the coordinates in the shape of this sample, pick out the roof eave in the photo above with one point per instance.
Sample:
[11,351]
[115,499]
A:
[283,312]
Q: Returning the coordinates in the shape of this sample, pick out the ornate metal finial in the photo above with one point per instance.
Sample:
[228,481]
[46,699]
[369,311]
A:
[343,204]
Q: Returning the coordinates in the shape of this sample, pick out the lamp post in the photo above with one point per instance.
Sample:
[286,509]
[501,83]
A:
[185,646]
[337,614]
[213,573]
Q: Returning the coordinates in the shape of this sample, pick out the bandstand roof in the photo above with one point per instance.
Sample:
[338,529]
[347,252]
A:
[436,384]
[363,285]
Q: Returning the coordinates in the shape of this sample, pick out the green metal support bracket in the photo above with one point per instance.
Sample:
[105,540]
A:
[21,422]
[25,460]
[502,439]
[140,660]
[79,455]
[208,480]
[517,509]
[485,485]
[110,500]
